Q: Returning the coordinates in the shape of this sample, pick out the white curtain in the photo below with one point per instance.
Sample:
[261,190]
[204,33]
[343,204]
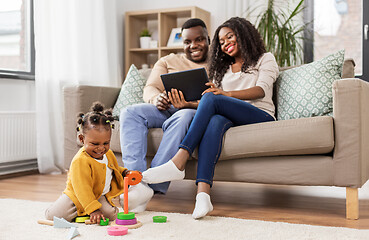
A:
[76,42]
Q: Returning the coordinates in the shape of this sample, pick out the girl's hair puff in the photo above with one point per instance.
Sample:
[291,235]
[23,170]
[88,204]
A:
[249,42]
[97,116]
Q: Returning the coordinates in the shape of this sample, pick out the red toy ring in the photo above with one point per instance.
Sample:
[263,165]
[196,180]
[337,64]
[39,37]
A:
[117,230]
[134,177]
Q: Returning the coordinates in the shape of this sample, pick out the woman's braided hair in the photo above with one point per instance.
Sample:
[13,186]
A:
[96,117]
[249,42]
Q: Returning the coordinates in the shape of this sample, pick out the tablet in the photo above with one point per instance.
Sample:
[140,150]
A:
[190,82]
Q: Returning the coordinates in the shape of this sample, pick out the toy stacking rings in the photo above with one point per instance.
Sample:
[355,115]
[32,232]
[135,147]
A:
[159,219]
[126,221]
[117,231]
[134,177]
[126,216]
[104,223]
[82,219]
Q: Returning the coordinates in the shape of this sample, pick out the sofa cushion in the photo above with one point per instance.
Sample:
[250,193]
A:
[131,91]
[287,137]
[306,91]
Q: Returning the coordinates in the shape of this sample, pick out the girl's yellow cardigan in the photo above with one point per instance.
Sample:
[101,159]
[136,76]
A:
[86,181]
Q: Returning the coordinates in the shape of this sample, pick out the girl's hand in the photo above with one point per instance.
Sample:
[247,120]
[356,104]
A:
[215,90]
[177,99]
[96,216]
[125,173]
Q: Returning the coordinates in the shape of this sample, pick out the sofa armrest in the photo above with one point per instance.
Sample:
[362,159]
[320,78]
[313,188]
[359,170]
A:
[79,98]
[351,123]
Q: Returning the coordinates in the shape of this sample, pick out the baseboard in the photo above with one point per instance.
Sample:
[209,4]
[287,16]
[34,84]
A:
[18,167]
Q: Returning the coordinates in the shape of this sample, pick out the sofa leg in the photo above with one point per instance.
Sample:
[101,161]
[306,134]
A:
[352,203]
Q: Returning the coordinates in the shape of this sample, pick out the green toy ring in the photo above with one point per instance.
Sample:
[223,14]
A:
[159,219]
[104,223]
[128,216]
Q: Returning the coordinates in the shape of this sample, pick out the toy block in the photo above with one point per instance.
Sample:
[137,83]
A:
[72,233]
[45,222]
[62,223]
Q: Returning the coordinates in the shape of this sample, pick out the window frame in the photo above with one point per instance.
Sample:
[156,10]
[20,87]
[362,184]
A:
[365,75]
[309,37]
[24,75]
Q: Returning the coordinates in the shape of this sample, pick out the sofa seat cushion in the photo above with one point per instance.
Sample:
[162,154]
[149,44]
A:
[286,137]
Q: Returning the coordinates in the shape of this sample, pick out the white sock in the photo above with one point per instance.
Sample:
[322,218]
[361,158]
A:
[203,205]
[163,173]
[138,197]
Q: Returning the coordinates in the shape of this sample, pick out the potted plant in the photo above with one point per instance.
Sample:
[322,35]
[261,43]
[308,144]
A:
[145,38]
[281,34]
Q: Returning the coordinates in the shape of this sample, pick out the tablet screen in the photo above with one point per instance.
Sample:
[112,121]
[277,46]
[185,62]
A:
[190,82]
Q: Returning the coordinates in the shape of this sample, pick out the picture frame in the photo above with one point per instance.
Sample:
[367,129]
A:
[175,38]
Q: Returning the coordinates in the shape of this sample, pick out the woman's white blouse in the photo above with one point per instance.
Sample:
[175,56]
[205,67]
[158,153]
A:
[263,74]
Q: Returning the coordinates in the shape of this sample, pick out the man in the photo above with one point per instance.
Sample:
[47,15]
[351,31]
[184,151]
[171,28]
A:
[157,112]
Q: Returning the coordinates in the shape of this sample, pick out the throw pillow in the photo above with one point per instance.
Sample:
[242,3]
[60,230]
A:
[306,91]
[131,91]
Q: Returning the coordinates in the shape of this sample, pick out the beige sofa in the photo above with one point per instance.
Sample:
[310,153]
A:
[317,151]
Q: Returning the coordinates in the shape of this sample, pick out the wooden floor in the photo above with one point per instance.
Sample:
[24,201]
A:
[323,206]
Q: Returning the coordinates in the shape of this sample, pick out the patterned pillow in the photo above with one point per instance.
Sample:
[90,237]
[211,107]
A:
[306,91]
[131,91]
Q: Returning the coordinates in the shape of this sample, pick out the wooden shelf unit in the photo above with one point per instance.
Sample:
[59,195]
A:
[161,22]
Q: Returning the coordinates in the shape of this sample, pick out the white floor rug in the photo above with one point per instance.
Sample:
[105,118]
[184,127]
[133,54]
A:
[19,221]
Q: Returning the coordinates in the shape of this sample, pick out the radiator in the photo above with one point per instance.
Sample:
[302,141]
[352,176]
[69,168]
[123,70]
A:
[17,137]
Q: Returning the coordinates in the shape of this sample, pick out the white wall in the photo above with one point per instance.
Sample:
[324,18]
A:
[220,11]
[17,95]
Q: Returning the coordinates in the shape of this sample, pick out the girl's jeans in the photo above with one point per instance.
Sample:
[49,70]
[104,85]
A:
[214,116]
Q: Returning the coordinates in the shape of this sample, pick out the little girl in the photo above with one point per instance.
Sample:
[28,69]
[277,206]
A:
[94,177]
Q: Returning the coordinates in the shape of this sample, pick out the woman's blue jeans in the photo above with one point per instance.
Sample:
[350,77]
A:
[214,116]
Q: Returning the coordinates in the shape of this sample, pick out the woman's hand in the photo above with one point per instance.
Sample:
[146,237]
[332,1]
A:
[215,90]
[96,216]
[177,99]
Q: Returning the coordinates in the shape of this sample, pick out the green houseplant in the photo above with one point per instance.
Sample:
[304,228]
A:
[145,38]
[145,33]
[281,34]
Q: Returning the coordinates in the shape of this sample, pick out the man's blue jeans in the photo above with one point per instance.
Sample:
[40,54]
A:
[215,115]
[135,122]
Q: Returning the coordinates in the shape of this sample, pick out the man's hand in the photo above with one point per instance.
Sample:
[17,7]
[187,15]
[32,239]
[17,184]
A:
[177,99]
[96,216]
[162,102]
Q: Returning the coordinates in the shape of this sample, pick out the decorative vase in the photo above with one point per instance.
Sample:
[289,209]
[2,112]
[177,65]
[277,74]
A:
[145,42]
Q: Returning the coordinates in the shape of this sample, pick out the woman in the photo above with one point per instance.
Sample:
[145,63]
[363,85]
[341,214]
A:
[241,93]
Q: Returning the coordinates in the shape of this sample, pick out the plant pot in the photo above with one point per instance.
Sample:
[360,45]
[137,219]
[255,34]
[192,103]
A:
[145,42]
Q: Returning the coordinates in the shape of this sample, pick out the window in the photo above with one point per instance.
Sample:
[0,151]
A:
[335,25]
[16,39]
